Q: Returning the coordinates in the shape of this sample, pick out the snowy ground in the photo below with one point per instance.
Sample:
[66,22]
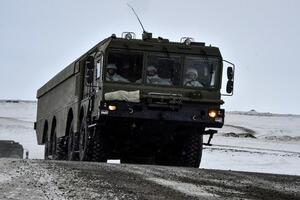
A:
[275,148]
[16,123]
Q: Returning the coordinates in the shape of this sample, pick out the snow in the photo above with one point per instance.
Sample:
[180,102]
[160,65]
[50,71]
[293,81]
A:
[4,178]
[186,188]
[275,148]
[17,109]
[266,124]
[252,159]
[16,123]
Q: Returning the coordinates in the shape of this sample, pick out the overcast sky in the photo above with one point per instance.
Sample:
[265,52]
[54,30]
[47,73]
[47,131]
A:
[262,37]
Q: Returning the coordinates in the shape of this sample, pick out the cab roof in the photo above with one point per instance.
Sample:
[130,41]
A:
[164,45]
[150,44]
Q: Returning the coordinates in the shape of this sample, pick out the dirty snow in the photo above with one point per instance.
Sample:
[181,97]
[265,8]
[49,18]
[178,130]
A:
[186,188]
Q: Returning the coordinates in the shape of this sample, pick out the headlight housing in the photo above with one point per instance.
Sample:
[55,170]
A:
[112,107]
[212,113]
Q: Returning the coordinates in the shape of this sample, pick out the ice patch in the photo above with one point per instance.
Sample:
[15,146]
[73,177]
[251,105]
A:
[114,161]
[4,178]
[185,188]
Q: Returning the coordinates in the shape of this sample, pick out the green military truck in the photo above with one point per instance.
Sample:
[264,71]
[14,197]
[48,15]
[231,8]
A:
[145,100]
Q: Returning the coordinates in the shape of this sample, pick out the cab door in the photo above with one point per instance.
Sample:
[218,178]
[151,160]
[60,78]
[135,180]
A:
[98,85]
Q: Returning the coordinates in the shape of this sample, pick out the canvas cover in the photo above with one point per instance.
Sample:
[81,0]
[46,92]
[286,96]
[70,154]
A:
[121,95]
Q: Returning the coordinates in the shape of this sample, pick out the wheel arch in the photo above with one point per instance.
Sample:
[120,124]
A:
[53,126]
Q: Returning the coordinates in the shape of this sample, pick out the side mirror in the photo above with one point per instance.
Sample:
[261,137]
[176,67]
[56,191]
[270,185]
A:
[89,66]
[230,73]
[230,77]
[90,63]
[89,77]
[229,86]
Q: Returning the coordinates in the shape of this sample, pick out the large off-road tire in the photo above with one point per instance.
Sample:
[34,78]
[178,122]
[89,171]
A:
[58,147]
[61,149]
[84,142]
[99,148]
[185,150]
[72,143]
[192,150]
[53,144]
[46,150]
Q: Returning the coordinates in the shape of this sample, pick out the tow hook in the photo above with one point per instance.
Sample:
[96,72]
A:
[211,133]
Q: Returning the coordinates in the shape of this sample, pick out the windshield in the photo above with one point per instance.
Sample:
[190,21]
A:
[124,67]
[200,71]
[163,70]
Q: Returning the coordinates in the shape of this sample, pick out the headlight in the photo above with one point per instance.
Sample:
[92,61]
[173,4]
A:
[212,113]
[112,107]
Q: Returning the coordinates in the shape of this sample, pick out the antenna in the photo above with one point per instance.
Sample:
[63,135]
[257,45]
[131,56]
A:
[146,35]
[136,16]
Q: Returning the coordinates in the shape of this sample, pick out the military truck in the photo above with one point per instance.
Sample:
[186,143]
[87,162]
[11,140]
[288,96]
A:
[11,149]
[145,100]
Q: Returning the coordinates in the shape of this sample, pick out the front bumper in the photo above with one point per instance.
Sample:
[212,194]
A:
[184,113]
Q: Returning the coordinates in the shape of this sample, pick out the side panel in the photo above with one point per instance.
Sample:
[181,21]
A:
[56,80]
[61,94]
[57,102]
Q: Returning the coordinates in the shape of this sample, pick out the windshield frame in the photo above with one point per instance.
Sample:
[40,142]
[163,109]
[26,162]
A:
[142,53]
[182,59]
[219,72]
[165,54]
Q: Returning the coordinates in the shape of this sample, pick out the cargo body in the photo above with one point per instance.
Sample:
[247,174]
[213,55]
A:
[141,101]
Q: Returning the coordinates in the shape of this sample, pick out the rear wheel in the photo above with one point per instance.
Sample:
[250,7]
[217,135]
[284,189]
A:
[72,143]
[61,148]
[53,145]
[46,151]
[58,147]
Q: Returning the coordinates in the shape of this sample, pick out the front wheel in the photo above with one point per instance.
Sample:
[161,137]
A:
[61,149]
[99,147]
[192,150]
[185,149]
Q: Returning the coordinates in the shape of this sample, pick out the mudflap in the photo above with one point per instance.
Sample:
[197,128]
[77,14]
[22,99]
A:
[211,133]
